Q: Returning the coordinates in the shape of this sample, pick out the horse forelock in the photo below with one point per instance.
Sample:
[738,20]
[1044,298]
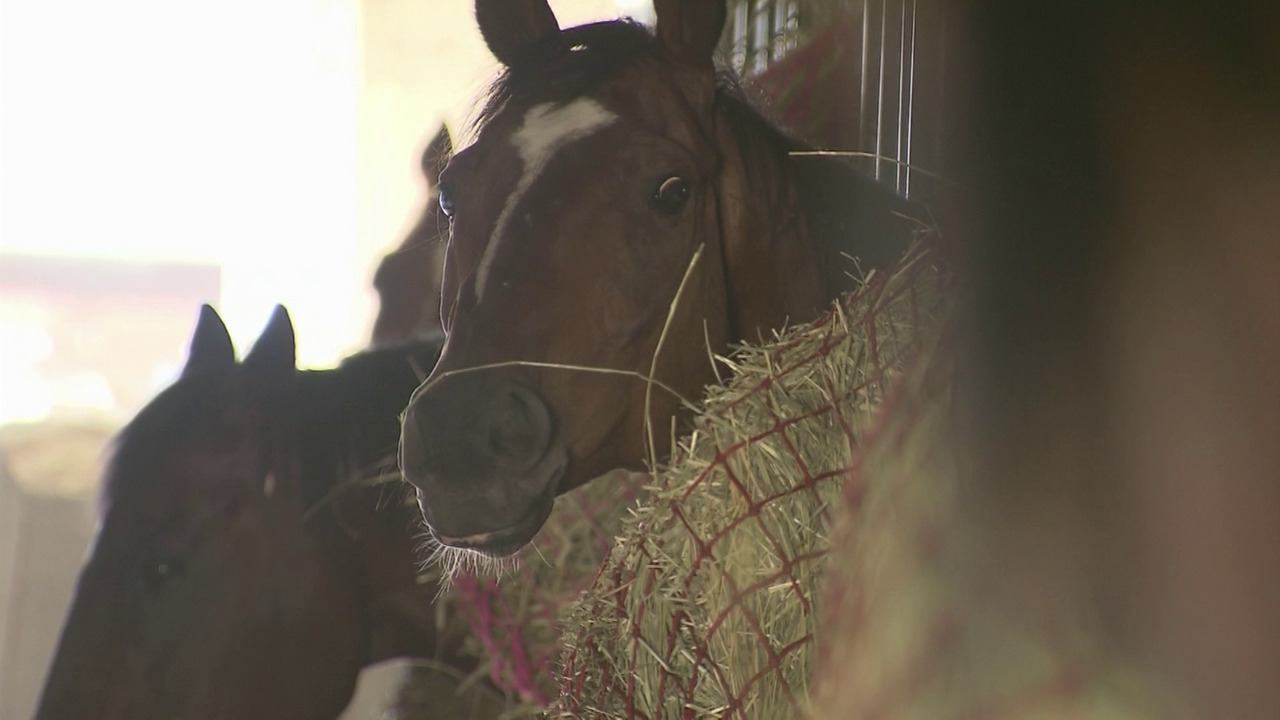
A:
[565,66]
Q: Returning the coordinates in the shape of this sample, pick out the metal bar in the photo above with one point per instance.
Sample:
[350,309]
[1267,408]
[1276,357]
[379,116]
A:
[760,44]
[793,24]
[778,46]
[906,88]
[876,104]
[740,49]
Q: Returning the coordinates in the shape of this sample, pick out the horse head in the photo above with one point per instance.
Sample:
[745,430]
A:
[622,216]
[232,576]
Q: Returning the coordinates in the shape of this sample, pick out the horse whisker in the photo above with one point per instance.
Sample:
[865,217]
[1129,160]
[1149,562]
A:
[452,562]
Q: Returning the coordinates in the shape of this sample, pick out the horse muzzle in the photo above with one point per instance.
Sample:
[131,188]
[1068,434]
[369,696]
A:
[486,462]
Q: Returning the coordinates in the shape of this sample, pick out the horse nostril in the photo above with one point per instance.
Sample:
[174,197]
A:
[519,428]
[511,433]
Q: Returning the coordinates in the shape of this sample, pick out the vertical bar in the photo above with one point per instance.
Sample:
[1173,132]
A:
[870,99]
[891,122]
[895,85]
[905,89]
[740,49]
[901,40]
[778,47]
[793,24]
[884,104]
[760,47]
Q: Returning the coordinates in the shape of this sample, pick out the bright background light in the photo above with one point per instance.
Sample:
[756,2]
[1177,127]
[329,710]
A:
[155,154]
[207,132]
[275,140]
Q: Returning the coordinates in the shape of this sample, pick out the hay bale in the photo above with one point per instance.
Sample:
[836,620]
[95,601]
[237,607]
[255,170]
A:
[707,604]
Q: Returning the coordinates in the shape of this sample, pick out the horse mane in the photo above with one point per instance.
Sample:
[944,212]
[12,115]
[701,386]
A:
[847,213]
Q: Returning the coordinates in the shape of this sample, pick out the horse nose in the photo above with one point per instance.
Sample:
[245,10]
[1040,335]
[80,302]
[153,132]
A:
[464,431]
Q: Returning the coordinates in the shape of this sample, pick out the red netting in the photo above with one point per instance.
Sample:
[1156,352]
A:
[706,607]
[515,621]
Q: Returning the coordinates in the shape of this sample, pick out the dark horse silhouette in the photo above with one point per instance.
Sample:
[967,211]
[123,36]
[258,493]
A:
[408,278]
[622,215]
[242,569]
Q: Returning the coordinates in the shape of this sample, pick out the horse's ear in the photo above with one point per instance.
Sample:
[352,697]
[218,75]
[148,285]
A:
[509,27]
[272,357]
[437,154]
[690,30]
[210,344]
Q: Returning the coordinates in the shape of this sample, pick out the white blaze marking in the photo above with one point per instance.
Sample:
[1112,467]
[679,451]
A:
[546,129]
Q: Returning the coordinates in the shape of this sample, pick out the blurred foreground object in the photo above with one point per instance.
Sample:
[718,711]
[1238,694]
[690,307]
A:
[1112,528]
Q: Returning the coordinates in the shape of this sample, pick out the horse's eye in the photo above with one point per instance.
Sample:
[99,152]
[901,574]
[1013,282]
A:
[446,198]
[671,196]
[162,571]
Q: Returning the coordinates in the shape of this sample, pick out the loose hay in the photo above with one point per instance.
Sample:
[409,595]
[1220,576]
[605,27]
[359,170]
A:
[706,606]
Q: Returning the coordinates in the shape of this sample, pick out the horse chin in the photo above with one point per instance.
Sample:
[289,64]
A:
[507,541]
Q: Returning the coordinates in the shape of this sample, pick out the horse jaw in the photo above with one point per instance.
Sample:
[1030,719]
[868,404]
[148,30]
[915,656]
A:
[772,270]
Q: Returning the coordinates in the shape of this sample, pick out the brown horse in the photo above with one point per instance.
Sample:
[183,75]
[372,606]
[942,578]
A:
[241,569]
[408,278]
[622,215]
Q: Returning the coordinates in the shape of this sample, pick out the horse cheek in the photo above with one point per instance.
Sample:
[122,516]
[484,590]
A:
[619,321]
[773,281]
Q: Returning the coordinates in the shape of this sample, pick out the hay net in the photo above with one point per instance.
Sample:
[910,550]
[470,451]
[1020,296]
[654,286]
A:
[707,605]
